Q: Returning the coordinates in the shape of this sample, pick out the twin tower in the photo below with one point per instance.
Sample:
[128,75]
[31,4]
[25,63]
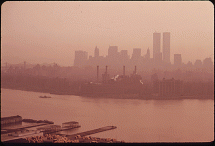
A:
[157,55]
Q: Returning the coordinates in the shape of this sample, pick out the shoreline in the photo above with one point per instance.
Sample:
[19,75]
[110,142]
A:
[124,96]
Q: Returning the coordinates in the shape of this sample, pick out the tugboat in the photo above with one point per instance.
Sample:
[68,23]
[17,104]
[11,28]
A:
[45,96]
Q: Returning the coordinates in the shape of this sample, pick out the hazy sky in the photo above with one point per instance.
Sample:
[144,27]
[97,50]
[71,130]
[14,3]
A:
[47,32]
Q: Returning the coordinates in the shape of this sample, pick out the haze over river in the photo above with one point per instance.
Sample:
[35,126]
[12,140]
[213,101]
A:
[188,120]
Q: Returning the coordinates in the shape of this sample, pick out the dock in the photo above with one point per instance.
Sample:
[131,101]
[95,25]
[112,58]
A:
[61,129]
[91,132]
[9,130]
[69,128]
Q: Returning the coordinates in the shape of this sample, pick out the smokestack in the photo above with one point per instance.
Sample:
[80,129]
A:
[97,73]
[24,64]
[135,69]
[123,70]
[106,69]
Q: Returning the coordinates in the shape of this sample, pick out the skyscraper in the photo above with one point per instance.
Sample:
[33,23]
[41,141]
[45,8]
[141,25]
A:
[147,56]
[177,60]
[136,53]
[166,47]
[113,57]
[80,58]
[156,47]
[124,57]
[96,52]
[112,51]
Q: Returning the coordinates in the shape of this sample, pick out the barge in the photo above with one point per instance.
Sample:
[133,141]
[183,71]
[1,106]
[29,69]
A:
[45,96]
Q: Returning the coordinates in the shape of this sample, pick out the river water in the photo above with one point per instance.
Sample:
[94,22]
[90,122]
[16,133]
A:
[188,120]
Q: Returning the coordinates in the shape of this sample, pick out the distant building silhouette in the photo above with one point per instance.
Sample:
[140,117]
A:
[112,51]
[96,52]
[170,87]
[113,57]
[207,63]
[157,55]
[136,53]
[124,57]
[124,54]
[158,58]
[177,60]
[155,83]
[147,56]
[198,63]
[166,47]
[189,64]
[80,58]
[136,56]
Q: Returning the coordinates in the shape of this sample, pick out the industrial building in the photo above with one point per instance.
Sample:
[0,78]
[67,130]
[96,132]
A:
[11,120]
[170,87]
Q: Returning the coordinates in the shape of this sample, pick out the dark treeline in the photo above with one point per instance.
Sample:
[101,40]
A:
[40,84]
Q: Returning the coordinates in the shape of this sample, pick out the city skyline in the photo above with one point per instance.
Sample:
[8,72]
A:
[47,32]
[117,58]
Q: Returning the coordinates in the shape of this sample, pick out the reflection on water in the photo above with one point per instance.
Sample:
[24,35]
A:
[136,120]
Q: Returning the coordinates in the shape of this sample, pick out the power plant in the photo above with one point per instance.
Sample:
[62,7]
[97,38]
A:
[119,84]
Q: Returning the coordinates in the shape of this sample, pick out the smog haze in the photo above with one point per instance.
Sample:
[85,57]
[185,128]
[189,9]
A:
[47,32]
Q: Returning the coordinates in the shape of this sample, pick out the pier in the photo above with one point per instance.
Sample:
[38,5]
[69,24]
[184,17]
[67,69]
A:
[11,129]
[60,129]
[91,132]
[69,128]
[46,131]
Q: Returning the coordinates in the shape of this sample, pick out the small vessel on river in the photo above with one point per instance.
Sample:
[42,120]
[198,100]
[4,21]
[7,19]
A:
[45,96]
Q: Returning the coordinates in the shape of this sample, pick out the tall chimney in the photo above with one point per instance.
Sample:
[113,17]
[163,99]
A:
[106,69]
[123,70]
[24,64]
[97,73]
[135,69]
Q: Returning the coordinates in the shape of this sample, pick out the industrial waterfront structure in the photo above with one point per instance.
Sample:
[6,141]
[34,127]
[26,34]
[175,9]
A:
[170,88]
[119,84]
[46,133]
[11,120]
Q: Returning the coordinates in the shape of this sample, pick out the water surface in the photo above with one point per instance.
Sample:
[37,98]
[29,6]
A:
[188,120]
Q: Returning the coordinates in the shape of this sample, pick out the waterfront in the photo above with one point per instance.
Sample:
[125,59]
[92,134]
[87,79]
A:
[136,120]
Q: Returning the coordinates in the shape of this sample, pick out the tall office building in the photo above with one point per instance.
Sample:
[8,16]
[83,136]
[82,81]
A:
[124,54]
[147,56]
[113,57]
[123,57]
[80,58]
[112,51]
[156,47]
[96,52]
[166,47]
[136,53]
[177,60]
